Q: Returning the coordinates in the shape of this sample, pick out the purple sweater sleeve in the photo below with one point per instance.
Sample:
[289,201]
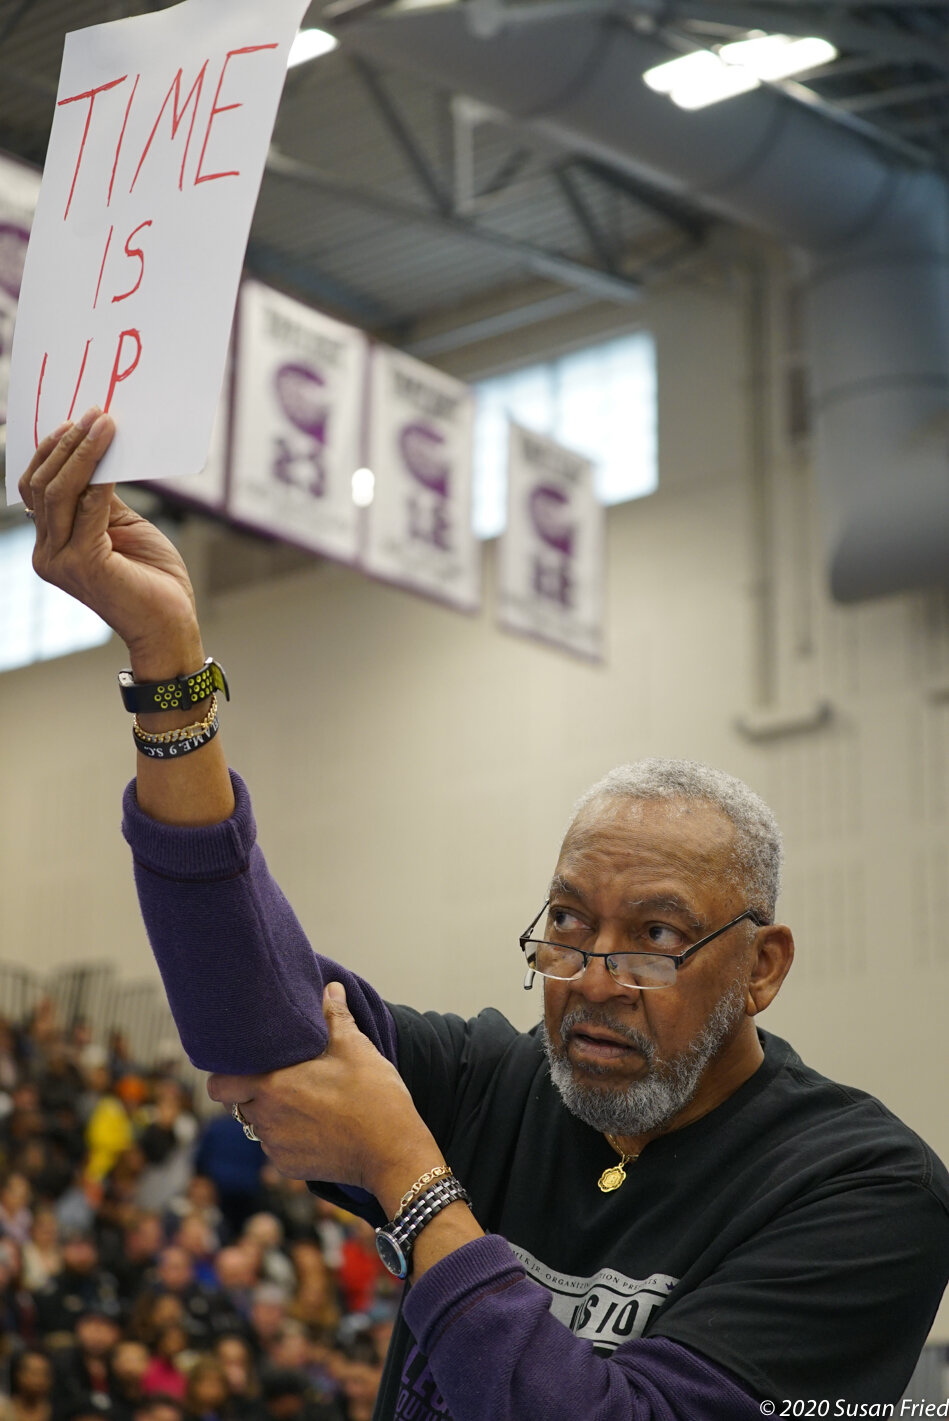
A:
[496,1354]
[244,985]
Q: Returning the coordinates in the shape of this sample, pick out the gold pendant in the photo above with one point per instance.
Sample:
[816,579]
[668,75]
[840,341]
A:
[611,1178]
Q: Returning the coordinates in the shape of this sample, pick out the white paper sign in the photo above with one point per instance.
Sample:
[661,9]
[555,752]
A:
[19,189]
[551,555]
[420,446]
[160,134]
[208,487]
[298,416]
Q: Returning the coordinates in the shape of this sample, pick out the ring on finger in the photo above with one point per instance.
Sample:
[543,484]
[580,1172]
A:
[245,1125]
[30,514]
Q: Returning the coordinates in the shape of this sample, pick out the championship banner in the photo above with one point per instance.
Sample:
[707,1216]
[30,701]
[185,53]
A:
[298,412]
[420,442]
[160,133]
[551,558]
[19,189]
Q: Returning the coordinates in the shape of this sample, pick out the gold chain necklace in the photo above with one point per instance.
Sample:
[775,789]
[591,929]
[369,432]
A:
[614,1174]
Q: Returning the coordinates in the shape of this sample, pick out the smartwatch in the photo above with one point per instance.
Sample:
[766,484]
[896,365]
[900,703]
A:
[178,693]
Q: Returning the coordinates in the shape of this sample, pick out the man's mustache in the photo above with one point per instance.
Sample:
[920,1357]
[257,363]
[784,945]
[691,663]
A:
[584,1016]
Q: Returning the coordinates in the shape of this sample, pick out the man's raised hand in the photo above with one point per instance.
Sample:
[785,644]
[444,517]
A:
[93,546]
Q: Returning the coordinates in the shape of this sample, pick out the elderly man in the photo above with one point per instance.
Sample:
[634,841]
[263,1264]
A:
[643,1208]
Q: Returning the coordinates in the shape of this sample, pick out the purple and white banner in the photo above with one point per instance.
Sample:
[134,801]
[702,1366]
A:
[419,522]
[551,558]
[19,189]
[297,424]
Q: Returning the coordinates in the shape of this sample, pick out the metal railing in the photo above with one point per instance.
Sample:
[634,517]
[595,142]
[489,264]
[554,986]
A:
[92,992]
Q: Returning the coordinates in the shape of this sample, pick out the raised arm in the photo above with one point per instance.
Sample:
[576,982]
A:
[244,985]
[93,546]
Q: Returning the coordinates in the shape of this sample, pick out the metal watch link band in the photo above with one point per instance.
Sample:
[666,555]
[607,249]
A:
[395,1241]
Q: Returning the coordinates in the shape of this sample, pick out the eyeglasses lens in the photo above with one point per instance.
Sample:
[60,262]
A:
[629,969]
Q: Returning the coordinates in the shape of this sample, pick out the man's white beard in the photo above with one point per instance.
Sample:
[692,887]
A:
[667,1087]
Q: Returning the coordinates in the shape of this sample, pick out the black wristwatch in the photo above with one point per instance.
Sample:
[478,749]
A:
[179,693]
[396,1241]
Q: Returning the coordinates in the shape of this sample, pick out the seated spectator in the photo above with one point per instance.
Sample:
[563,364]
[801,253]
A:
[234,1354]
[287,1397]
[235,1270]
[129,1362]
[199,1197]
[142,1240]
[233,1163]
[361,1375]
[166,1368]
[361,1272]
[108,1127]
[60,1081]
[116,1207]
[317,1299]
[82,1373]
[158,1406]
[266,1232]
[268,1313]
[121,1063]
[84,1408]
[152,1313]
[17,1306]
[198,1241]
[41,1255]
[16,1216]
[31,1387]
[208,1396]
[168,1143]
[9,1058]
[294,1349]
[80,1285]
[291,1201]
[74,1209]
[174,1274]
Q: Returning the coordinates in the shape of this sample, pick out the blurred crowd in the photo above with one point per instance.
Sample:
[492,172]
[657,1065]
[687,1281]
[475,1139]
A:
[156,1268]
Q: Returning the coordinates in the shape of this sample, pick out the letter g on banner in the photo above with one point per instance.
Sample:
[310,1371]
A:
[420,445]
[546,505]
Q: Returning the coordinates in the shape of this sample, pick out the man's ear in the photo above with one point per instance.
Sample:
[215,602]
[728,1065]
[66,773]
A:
[774,953]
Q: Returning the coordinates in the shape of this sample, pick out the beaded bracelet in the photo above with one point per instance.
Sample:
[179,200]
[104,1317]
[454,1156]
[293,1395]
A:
[158,750]
[184,732]
[440,1171]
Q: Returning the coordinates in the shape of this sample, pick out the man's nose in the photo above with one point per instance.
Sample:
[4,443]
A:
[597,983]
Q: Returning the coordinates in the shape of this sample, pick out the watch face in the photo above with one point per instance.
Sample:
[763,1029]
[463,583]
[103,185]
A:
[391,1254]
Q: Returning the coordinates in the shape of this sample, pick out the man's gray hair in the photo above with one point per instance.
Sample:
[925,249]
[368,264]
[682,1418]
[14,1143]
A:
[758,848]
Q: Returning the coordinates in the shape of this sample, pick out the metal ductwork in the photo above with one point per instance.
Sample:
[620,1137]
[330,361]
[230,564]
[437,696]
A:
[875,232]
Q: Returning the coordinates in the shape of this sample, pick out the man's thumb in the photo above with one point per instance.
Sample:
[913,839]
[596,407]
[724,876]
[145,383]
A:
[335,1009]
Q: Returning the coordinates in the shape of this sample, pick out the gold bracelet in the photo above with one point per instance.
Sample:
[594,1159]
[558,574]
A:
[184,732]
[441,1171]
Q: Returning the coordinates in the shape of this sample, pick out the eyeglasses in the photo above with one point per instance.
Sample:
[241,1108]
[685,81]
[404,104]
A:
[560,956]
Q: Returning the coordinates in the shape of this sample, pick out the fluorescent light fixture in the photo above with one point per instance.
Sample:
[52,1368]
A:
[706,77]
[310,44]
[364,487]
[676,73]
[699,79]
[778,56]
